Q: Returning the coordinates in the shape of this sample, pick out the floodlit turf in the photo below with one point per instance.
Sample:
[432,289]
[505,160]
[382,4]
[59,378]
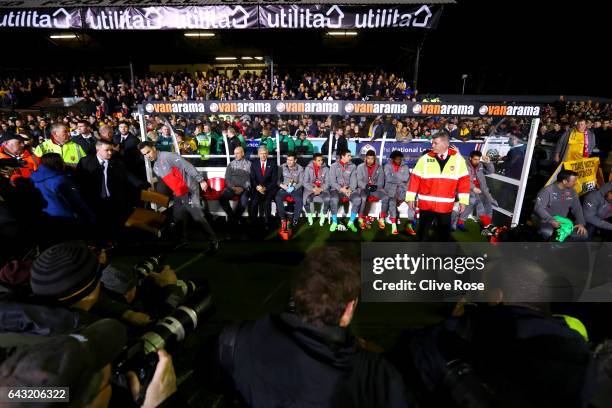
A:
[252,277]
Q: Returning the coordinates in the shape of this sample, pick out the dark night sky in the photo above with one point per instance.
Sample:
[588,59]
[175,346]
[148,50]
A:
[535,47]
[524,47]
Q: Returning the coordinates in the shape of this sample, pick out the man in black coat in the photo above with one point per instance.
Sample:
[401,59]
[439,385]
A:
[308,357]
[264,183]
[86,138]
[128,149]
[109,189]
[339,142]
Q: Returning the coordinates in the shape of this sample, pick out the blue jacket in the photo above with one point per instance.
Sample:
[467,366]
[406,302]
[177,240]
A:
[61,195]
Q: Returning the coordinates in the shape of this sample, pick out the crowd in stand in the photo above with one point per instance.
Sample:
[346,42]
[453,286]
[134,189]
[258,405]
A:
[77,176]
[106,115]
[112,95]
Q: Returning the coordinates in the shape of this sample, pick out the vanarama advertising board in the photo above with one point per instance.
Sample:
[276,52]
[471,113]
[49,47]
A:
[356,108]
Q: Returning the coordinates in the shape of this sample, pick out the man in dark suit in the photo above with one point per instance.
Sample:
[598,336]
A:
[86,138]
[264,183]
[128,150]
[108,188]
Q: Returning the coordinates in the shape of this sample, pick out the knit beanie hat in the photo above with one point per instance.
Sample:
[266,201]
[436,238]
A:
[118,278]
[65,273]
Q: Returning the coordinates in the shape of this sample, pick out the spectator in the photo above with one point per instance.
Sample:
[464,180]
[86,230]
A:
[233,140]
[310,355]
[575,144]
[266,140]
[604,143]
[165,142]
[68,211]
[464,132]
[303,146]
[287,144]
[339,142]
[12,147]
[186,144]
[557,200]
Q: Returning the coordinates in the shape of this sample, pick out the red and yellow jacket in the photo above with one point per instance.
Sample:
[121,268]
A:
[30,160]
[437,189]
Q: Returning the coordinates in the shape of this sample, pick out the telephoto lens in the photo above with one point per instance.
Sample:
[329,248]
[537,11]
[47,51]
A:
[140,357]
[148,265]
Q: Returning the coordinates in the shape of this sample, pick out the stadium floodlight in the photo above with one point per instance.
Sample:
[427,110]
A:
[246,58]
[63,36]
[342,33]
[200,34]
[226,58]
[259,58]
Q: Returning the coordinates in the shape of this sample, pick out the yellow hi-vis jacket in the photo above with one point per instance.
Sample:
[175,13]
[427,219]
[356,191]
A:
[70,151]
[437,189]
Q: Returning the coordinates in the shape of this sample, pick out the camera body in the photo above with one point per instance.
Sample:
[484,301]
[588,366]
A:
[140,356]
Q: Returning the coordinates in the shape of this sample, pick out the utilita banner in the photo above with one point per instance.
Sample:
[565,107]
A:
[222,17]
[354,17]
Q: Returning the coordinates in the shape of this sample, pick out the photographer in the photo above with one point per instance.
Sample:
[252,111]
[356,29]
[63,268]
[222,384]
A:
[82,362]
[136,302]
[65,285]
[309,357]
[500,353]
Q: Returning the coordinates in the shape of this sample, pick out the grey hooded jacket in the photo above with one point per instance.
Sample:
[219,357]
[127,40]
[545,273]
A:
[309,178]
[378,176]
[287,175]
[238,174]
[342,176]
[479,172]
[597,209]
[553,201]
[396,183]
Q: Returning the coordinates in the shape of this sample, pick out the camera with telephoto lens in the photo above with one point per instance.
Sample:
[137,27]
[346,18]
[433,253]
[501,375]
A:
[140,356]
[155,264]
